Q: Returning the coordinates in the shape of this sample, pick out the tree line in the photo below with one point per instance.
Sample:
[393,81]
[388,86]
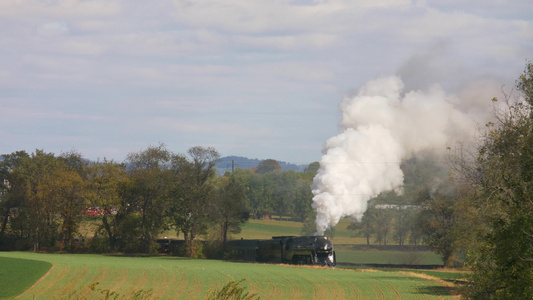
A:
[44,198]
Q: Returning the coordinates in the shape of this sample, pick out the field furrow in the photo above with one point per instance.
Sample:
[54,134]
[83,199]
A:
[161,286]
[183,282]
[74,280]
[270,289]
[122,279]
[52,281]
[354,293]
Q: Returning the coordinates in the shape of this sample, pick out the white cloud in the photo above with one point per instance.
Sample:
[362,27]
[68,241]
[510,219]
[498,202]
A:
[237,66]
[58,8]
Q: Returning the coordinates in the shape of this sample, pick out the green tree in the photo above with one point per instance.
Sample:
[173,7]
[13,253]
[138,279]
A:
[365,226]
[303,198]
[230,207]
[260,193]
[283,187]
[195,177]
[148,190]
[500,173]
[403,222]
[382,224]
[10,198]
[438,221]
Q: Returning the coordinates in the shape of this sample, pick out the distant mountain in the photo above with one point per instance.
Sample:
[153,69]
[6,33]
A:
[225,164]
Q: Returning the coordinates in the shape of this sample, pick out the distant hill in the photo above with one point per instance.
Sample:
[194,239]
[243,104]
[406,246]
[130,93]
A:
[225,164]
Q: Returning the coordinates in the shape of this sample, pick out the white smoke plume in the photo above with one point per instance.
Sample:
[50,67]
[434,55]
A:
[381,126]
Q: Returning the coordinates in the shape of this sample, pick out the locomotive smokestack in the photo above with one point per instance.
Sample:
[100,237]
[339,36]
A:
[382,126]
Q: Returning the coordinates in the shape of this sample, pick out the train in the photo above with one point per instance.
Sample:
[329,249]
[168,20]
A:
[298,250]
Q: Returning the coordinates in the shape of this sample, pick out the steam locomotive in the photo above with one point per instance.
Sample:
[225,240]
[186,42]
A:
[300,250]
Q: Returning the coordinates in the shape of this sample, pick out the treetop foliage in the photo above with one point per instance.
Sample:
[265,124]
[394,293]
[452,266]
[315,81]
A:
[267,165]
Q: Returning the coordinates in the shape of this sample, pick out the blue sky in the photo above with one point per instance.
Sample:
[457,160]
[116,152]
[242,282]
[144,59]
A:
[261,78]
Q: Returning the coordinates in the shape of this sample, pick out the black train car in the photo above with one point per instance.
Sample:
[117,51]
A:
[310,250]
[242,249]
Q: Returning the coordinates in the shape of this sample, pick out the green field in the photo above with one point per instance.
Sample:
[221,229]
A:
[81,276]
[17,274]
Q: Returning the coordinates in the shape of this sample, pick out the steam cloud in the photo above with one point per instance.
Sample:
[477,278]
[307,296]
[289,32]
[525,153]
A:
[382,126]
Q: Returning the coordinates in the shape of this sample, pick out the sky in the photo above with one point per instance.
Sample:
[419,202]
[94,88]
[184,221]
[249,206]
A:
[260,79]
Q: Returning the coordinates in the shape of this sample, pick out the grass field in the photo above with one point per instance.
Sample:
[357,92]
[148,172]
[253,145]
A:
[161,277]
[73,276]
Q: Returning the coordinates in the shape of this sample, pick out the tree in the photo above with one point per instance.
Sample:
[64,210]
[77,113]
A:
[403,216]
[303,199]
[230,207]
[260,193]
[10,198]
[437,221]
[283,187]
[195,177]
[148,192]
[38,213]
[311,171]
[365,226]
[69,187]
[107,180]
[500,172]
[267,165]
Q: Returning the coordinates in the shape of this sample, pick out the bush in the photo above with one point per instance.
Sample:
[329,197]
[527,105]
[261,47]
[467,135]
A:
[99,245]
[213,250]
[232,291]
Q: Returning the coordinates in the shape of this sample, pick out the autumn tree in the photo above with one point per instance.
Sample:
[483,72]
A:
[267,165]
[68,186]
[107,180]
[38,212]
